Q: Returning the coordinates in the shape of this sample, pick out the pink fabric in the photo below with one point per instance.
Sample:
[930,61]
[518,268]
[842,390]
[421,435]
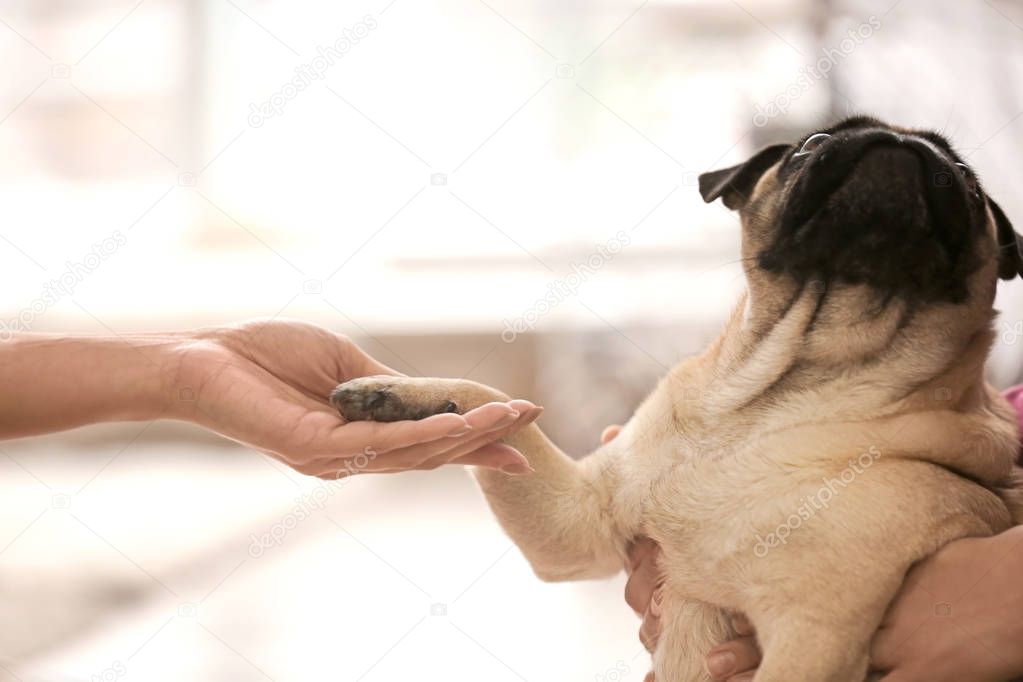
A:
[1015,397]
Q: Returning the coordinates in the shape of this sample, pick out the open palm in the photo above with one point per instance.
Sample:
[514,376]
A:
[265,384]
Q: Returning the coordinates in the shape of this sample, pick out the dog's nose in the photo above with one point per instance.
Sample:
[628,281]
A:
[915,179]
[932,161]
[896,163]
[847,150]
[876,206]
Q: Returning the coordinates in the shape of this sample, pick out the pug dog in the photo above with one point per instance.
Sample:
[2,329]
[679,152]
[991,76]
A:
[838,431]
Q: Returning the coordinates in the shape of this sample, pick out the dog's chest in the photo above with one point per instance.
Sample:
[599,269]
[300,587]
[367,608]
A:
[648,464]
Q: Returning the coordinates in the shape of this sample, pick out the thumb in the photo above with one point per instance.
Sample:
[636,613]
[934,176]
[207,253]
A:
[359,363]
[899,676]
[610,433]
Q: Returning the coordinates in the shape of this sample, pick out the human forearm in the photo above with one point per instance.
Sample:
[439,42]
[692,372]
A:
[55,382]
[264,384]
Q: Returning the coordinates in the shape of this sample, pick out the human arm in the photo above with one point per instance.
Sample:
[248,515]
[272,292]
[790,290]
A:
[264,384]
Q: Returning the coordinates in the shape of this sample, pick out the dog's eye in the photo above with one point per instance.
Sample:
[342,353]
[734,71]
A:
[968,175]
[812,143]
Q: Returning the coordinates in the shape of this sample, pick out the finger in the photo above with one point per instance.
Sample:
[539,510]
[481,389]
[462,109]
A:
[493,456]
[489,419]
[639,589]
[496,456]
[741,625]
[521,406]
[472,442]
[744,677]
[649,677]
[656,600]
[359,363]
[493,416]
[883,648]
[901,676]
[609,433]
[381,437]
[733,658]
[640,550]
[485,425]
[650,631]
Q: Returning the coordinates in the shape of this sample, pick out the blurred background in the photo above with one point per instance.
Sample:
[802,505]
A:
[498,189]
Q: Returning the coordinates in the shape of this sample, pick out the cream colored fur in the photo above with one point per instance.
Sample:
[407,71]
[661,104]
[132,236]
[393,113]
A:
[803,392]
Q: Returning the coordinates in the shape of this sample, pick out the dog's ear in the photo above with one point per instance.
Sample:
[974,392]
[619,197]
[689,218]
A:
[734,185]
[1010,244]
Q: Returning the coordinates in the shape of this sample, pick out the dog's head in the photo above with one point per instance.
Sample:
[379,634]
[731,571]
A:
[880,239]
[866,203]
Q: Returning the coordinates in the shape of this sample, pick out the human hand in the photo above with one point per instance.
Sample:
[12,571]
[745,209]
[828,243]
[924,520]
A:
[643,588]
[956,617]
[266,384]
[734,661]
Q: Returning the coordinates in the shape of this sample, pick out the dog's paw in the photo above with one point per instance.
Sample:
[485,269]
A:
[387,399]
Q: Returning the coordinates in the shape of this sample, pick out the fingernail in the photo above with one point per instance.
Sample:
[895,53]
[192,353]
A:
[634,560]
[655,602]
[517,469]
[506,420]
[721,663]
[459,431]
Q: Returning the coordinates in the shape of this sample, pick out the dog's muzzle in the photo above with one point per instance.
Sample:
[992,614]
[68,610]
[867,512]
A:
[880,208]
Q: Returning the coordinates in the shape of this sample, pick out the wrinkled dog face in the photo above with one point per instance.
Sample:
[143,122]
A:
[866,205]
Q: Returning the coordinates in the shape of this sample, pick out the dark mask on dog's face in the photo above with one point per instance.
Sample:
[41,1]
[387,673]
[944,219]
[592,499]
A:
[864,202]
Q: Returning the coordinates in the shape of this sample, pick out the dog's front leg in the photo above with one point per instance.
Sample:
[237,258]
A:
[560,517]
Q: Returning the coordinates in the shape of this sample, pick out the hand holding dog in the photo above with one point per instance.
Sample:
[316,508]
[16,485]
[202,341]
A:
[957,616]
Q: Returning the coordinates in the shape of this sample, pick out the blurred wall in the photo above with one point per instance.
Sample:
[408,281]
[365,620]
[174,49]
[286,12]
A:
[499,190]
